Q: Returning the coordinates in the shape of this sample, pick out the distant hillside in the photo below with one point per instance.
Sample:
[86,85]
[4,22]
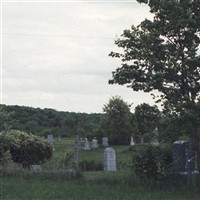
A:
[49,121]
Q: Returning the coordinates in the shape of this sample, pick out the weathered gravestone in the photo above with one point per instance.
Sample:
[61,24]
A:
[86,145]
[109,159]
[36,168]
[105,141]
[50,139]
[94,144]
[154,140]
[183,157]
[132,141]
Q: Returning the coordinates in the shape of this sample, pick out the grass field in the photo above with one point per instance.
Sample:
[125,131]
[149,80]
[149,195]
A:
[52,184]
[40,188]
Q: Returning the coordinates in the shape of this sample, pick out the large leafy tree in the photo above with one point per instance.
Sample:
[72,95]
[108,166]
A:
[117,121]
[162,54]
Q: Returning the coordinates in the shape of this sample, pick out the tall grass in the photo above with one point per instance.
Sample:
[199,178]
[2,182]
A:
[38,188]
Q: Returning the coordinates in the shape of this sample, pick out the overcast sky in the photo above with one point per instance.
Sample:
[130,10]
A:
[55,54]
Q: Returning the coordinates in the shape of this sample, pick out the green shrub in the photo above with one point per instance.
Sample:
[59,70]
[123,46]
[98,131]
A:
[151,161]
[26,148]
[5,155]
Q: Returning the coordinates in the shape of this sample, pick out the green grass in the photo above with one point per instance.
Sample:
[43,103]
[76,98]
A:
[66,146]
[38,188]
[53,183]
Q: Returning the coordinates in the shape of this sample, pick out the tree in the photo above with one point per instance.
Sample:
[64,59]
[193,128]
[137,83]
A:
[146,119]
[162,55]
[117,121]
[4,119]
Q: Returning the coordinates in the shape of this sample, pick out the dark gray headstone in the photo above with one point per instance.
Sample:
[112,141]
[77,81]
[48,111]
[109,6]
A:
[183,157]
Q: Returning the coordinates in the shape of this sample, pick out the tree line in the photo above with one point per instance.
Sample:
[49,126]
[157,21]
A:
[49,121]
[116,122]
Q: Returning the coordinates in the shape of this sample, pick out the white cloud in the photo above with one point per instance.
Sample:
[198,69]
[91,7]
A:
[56,54]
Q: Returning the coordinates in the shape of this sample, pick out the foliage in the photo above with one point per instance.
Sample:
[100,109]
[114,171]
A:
[162,54]
[4,118]
[91,165]
[146,119]
[5,155]
[49,121]
[150,161]
[117,122]
[26,148]
[68,158]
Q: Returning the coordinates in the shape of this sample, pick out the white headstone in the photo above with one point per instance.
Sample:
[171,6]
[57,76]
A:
[94,144]
[105,142]
[132,142]
[86,146]
[50,139]
[109,159]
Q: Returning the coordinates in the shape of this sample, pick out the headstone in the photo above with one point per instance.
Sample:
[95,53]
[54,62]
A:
[142,140]
[132,141]
[154,140]
[35,168]
[13,167]
[94,144]
[109,159]
[82,141]
[50,139]
[87,145]
[183,157]
[105,142]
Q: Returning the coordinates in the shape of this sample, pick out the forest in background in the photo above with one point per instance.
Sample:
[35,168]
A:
[49,121]
[116,122]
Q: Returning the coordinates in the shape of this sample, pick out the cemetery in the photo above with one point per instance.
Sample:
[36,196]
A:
[99,164]
[107,166]
[132,150]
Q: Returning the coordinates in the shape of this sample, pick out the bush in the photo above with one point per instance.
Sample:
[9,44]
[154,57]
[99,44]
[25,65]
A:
[151,161]
[91,165]
[5,155]
[25,148]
